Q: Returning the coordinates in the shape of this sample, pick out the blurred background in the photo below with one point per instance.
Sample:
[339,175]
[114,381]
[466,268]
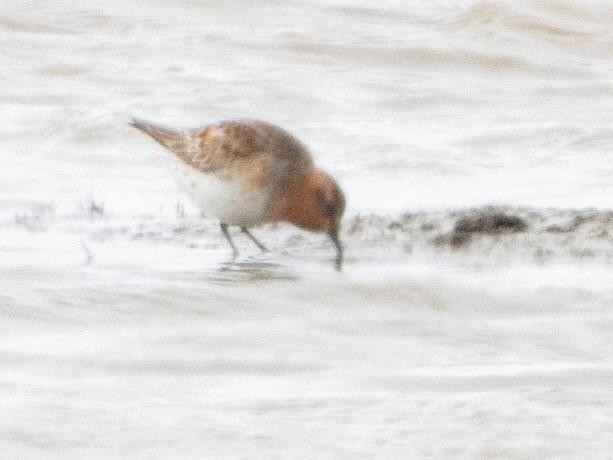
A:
[128,332]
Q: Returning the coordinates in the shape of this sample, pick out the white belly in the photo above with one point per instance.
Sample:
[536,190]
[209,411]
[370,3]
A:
[225,199]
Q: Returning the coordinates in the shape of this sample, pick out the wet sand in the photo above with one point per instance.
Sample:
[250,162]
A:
[142,338]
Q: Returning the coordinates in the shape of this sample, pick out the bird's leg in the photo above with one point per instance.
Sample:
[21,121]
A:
[224,229]
[254,239]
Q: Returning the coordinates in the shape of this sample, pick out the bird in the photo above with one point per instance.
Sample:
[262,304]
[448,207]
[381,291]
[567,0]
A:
[247,172]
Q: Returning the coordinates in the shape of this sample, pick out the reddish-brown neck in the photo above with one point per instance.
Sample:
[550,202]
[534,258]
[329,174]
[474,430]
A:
[301,205]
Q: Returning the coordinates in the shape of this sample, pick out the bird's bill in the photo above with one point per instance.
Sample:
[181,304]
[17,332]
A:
[333,234]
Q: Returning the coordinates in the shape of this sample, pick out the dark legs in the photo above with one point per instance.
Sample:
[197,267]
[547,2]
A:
[254,239]
[332,233]
[224,229]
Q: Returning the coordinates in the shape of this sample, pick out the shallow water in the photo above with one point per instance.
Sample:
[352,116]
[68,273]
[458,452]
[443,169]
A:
[128,331]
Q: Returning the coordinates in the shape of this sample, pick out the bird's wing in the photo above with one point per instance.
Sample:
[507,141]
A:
[186,144]
[234,142]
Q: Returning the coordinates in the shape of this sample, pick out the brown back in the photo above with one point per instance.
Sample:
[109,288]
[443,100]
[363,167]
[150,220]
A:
[234,145]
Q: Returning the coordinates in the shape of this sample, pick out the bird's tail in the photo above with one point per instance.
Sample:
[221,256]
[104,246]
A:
[180,142]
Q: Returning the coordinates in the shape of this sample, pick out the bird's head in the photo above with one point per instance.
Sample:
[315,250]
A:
[317,204]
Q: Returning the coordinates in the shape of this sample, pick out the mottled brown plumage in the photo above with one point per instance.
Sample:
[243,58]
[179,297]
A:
[247,172]
[225,145]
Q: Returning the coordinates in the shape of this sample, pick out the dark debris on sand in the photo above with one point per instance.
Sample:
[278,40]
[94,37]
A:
[484,222]
[490,222]
[503,232]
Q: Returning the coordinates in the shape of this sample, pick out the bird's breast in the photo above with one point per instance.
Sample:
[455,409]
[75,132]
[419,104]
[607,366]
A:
[226,195]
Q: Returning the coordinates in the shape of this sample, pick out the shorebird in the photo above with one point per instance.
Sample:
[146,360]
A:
[249,172]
